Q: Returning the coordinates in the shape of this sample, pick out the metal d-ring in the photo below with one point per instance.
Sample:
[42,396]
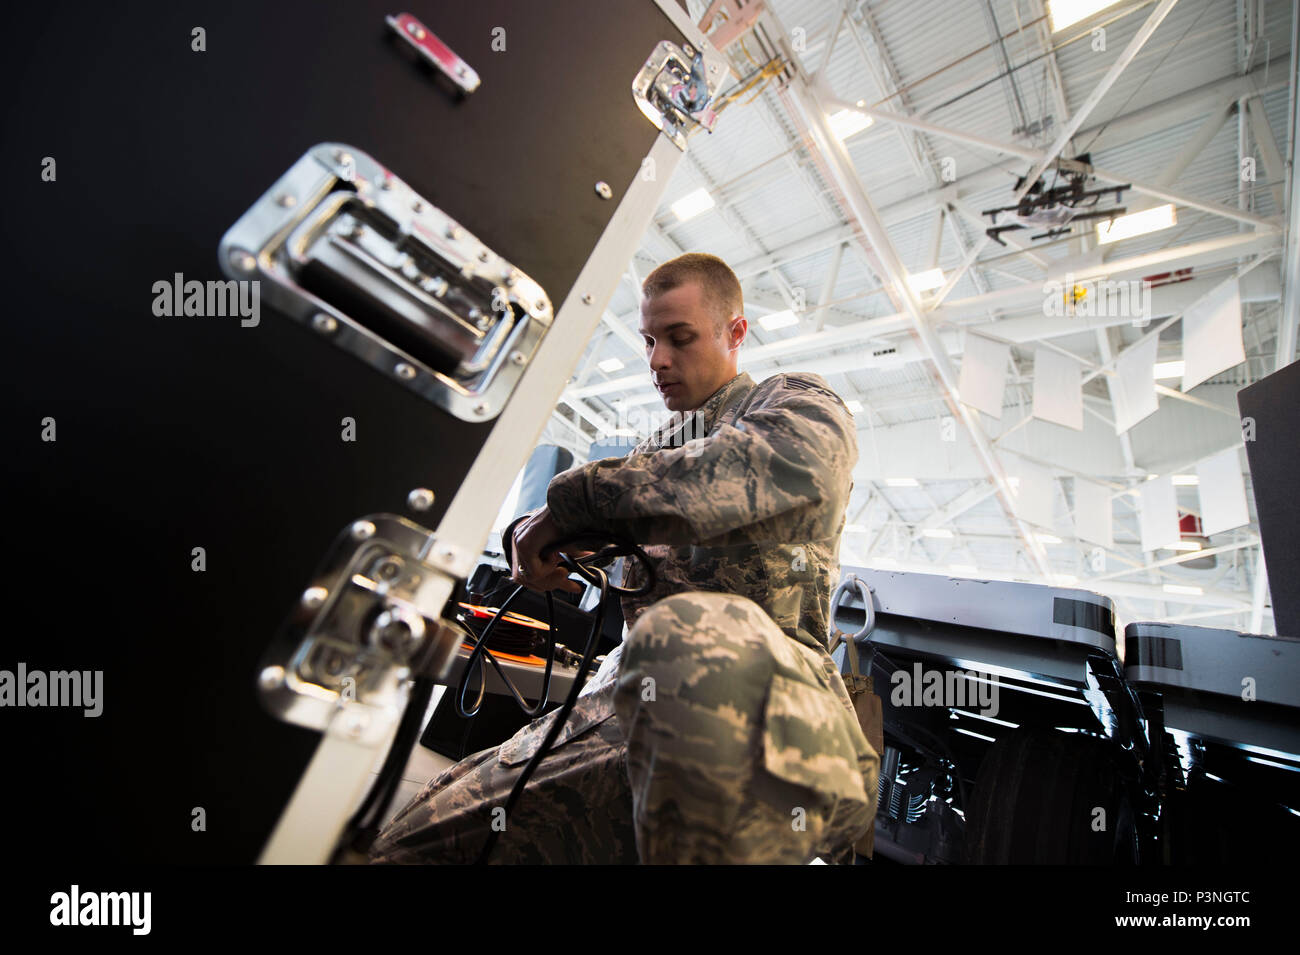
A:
[865,590]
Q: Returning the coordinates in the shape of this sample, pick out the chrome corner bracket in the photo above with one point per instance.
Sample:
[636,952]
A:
[346,248]
[675,87]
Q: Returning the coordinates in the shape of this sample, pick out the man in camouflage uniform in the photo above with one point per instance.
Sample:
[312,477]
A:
[720,729]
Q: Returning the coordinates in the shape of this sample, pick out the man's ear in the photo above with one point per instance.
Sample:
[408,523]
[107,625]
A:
[739,326]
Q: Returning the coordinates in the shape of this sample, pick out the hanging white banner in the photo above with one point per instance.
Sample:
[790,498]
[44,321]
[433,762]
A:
[1133,386]
[1158,514]
[1212,334]
[1034,490]
[983,373]
[1222,492]
[1092,513]
[1058,389]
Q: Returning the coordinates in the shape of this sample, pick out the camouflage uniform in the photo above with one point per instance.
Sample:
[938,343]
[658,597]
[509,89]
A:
[720,730]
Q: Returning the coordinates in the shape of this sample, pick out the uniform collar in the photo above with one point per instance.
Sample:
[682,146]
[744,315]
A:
[701,420]
[720,400]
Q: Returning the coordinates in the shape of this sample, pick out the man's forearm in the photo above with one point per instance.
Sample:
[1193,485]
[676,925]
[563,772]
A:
[779,460]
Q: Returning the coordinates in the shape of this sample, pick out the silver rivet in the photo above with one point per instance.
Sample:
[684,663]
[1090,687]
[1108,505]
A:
[417,206]
[421,499]
[481,408]
[713,68]
[355,725]
[541,305]
[484,255]
[688,49]
[242,259]
[389,568]
[343,157]
[460,70]
[517,357]
[397,631]
[362,530]
[313,597]
[512,278]
[325,324]
[287,200]
[403,370]
[386,184]
[445,555]
[453,232]
[333,662]
[271,678]
[603,190]
[415,30]
[587,299]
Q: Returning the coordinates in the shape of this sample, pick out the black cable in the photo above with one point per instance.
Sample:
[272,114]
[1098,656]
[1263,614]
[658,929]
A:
[1124,106]
[481,642]
[363,827]
[929,110]
[479,650]
[557,725]
[620,548]
[593,574]
[407,729]
[464,740]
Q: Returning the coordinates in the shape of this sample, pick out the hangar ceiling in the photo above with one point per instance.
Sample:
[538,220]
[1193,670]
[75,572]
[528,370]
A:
[829,227]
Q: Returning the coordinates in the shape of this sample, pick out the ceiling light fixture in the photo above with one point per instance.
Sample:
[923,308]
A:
[848,122]
[1064,13]
[692,204]
[1136,223]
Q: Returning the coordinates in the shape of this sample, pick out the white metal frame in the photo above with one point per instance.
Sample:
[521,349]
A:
[332,785]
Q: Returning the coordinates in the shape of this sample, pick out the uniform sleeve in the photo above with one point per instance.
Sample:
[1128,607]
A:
[792,451]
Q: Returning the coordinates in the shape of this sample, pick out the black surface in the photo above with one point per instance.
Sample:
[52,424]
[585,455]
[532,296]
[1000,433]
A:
[1274,457]
[452,735]
[1081,613]
[1153,652]
[182,432]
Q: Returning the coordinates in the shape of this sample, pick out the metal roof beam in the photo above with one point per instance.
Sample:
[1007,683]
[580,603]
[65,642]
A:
[968,499]
[1139,123]
[1045,159]
[814,119]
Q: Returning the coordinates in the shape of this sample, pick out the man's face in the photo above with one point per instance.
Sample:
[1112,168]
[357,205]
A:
[690,358]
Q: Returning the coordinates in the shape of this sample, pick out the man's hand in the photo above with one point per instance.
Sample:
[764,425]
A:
[535,572]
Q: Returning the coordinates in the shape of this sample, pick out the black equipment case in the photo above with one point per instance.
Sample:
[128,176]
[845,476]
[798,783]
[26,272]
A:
[239,514]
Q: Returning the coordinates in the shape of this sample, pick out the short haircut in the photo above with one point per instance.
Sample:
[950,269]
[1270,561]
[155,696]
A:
[720,287]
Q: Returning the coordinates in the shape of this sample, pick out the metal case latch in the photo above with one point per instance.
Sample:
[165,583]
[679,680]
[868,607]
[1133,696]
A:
[371,620]
[344,246]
